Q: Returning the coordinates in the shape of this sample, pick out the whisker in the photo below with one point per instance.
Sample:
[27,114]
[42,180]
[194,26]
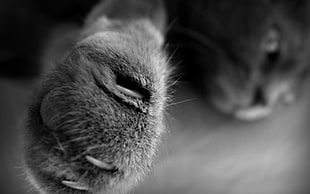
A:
[174,82]
[200,39]
[61,148]
[183,101]
[80,179]
[172,53]
[94,147]
[30,189]
[79,155]
[87,151]
[170,25]
[81,138]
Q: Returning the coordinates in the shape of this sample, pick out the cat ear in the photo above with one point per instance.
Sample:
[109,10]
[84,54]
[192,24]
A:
[271,42]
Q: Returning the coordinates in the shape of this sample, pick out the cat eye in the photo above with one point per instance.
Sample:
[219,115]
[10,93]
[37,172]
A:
[271,43]
[270,62]
[273,56]
[271,48]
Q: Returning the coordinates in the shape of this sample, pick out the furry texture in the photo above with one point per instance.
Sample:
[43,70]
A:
[105,99]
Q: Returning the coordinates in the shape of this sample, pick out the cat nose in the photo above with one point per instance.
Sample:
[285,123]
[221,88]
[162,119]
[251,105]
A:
[259,98]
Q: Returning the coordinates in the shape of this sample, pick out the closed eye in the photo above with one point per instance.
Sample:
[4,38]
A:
[271,60]
[272,57]
[271,48]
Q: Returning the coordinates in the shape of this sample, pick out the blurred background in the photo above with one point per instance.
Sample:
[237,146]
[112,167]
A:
[203,152]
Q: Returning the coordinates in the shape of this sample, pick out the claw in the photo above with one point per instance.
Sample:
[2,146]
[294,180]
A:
[99,163]
[75,185]
[129,92]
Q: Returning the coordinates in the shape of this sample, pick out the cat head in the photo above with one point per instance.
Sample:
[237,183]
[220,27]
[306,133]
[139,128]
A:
[252,54]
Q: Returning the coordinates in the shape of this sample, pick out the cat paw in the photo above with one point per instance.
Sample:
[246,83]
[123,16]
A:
[95,121]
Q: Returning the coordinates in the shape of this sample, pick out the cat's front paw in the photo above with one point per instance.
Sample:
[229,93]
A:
[95,121]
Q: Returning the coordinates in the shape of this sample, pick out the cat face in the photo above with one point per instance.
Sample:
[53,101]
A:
[254,54]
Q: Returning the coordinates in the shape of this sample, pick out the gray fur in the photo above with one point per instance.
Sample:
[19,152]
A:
[77,110]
